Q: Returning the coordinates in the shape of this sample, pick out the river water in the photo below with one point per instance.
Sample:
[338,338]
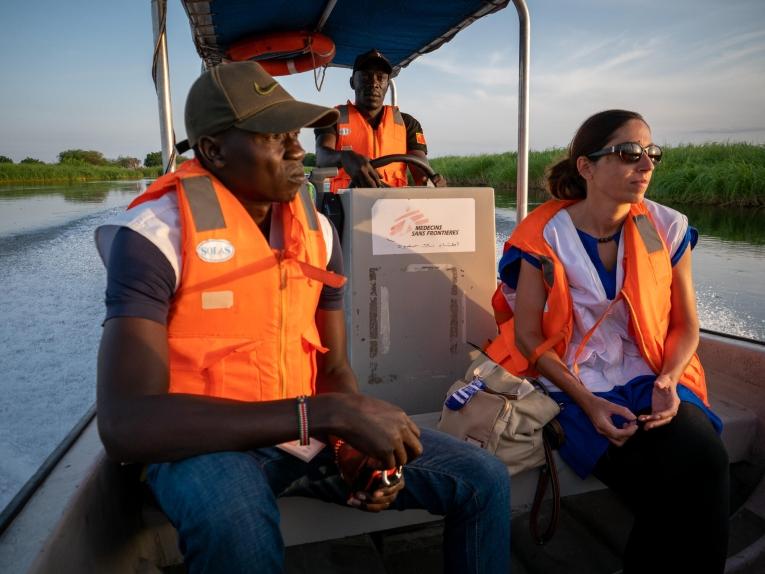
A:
[52,303]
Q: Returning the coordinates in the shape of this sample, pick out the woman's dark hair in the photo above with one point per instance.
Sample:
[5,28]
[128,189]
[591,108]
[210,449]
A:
[563,179]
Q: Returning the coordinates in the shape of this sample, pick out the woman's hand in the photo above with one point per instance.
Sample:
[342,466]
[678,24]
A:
[600,412]
[664,403]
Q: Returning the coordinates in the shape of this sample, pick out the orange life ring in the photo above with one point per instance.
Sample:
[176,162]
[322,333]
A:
[285,52]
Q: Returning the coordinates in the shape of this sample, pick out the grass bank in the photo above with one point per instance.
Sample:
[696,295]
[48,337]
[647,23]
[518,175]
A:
[710,174]
[15,173]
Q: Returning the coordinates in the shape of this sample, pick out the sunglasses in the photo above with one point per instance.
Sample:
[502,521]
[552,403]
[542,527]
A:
[631,152]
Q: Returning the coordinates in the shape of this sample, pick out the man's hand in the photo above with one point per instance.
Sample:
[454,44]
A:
[359,169]
[439,180]
[357,166]
[664,403]
[600,411]
[376,428]
[380,499]
[355,469]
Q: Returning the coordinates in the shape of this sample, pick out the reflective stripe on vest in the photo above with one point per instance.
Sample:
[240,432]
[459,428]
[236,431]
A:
[242,323]
[646,293]
[203,203]
[355,133]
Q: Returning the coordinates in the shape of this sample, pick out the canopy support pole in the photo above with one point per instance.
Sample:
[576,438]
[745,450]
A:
[325,15]
[161,72]
[522,178]
[393,92]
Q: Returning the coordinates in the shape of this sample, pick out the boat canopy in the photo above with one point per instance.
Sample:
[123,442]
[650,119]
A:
[400,29]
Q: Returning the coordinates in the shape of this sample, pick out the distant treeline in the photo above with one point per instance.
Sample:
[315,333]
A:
[88,165]
[11,173]
[709,174]
[75,165]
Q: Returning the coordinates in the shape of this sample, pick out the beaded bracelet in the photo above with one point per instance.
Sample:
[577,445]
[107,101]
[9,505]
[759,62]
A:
[338,445]
[302,412]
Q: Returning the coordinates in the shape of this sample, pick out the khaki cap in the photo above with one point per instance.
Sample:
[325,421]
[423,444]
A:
[244,95]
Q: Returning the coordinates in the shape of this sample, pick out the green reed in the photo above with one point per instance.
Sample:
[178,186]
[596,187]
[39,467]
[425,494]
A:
[709,174]
[63,173]
[712,174]
[495,170]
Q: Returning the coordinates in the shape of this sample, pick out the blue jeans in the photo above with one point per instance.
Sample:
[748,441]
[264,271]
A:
[224,504]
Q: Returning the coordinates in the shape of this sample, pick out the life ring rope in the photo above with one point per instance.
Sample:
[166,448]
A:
[285,53]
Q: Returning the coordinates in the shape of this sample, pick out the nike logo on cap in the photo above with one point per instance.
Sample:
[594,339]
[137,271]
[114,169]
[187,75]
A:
[265,91]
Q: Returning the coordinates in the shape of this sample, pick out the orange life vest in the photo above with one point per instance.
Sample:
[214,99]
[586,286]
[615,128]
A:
[241,324]
[355,133]
[646,293]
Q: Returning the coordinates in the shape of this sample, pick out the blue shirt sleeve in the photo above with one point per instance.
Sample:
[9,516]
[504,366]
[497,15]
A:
[140,281]
[510,265]
[691,238]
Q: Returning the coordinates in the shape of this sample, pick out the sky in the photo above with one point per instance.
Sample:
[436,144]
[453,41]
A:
[77,74]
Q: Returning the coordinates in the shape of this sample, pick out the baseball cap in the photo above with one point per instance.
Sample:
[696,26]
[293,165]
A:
[244,95]
[362,60]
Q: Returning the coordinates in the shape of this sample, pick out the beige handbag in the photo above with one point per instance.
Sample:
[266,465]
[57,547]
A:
[506,415]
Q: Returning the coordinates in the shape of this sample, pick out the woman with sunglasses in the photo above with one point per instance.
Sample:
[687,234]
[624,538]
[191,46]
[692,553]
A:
[597,301]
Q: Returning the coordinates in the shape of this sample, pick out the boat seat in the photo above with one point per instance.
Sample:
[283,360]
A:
[739,427]
[305,520]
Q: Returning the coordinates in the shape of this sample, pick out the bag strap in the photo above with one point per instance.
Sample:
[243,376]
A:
[548,473]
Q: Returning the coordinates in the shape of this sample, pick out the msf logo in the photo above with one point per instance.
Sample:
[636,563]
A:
[405,224]
[215,250]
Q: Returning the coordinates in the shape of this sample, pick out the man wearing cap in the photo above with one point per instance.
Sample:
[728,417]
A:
[225,337]
[368,129]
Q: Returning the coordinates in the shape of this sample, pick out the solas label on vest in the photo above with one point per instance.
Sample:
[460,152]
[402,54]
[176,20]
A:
[215,250]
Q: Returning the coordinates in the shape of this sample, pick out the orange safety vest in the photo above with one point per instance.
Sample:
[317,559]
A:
[646,293]
[242,322]
[355,133]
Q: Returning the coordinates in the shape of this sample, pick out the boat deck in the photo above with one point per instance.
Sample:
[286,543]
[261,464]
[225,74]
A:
[592,532]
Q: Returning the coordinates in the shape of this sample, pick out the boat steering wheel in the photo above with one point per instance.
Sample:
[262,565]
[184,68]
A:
[408,159]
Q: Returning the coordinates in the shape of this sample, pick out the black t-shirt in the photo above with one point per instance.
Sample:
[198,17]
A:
[414,133]
[141,282]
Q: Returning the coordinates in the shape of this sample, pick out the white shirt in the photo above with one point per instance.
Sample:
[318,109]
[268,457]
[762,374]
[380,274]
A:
[610,358]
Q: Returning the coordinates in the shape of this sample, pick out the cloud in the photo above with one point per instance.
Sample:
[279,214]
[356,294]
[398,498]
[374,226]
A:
[737,56]
[735,39]
[488,74]
[678,90]
[595,49]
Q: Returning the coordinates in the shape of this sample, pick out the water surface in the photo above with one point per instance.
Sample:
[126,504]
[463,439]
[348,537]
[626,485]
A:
[51,308]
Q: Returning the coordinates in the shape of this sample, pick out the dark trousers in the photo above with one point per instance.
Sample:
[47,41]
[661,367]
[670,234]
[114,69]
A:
[675,480]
